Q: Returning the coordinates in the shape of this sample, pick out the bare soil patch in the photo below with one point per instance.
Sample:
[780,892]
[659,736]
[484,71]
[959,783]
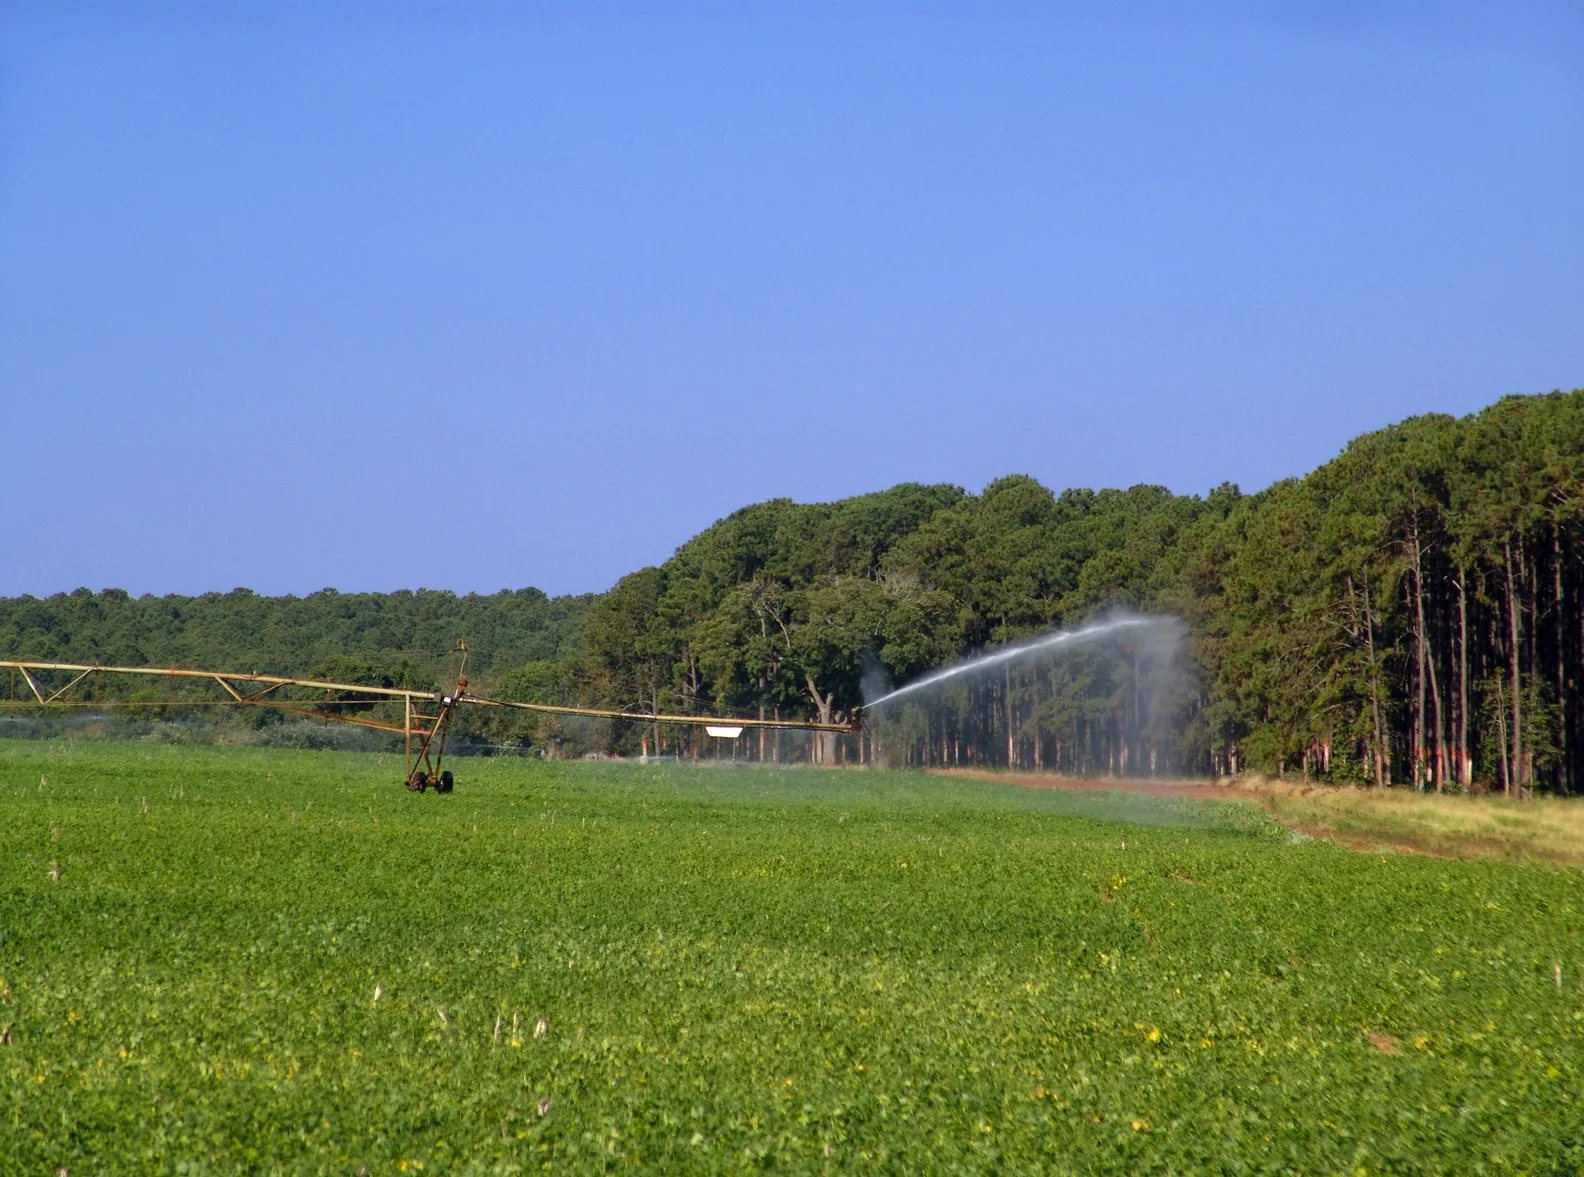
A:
[1198,791]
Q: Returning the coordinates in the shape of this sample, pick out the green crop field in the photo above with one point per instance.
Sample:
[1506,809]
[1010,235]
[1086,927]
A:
[251,961]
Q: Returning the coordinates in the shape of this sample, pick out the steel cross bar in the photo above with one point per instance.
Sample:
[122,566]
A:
[661,717]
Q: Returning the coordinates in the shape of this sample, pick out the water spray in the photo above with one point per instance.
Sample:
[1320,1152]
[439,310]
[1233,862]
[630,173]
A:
[1049,642]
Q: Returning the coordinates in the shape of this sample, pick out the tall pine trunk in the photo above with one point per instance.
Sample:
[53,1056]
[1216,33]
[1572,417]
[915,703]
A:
[1465,765]
[1515,770]
[1427,667]
[1440,765]
[1561,680]
[1011,737]
[1419,751]
[1501,727]
[1382,762]
[1039,756]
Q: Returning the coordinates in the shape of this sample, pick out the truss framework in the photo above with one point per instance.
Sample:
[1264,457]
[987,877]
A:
[426,715]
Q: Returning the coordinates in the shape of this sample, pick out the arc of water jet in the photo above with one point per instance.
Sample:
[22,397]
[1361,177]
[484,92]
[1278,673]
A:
[1006,653]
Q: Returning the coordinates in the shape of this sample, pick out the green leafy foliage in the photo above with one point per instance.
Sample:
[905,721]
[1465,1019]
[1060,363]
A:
[237,960]
[1349,625]
[243,631]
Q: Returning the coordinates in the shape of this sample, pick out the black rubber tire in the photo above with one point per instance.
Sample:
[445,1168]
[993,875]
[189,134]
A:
[447,782]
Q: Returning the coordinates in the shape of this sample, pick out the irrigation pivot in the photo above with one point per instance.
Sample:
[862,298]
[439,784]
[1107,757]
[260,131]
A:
[426,715]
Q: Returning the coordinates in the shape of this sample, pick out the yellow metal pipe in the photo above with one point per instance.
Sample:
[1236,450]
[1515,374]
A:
[225,679]
[660,717]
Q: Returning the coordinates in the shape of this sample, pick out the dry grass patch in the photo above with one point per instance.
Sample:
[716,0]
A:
[1538,829]
[1545,829]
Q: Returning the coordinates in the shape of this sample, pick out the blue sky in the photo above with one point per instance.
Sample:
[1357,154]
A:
[475,296]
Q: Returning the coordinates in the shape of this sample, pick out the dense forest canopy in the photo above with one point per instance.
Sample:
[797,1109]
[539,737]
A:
[1409,612]
[243,631]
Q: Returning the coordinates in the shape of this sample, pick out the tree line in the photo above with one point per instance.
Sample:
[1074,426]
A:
[1409,612]
[243,631]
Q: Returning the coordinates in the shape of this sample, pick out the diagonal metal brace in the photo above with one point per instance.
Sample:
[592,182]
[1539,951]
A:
[63,691]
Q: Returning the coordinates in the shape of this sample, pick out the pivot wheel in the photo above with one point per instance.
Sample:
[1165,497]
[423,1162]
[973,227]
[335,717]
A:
[446,783]
[417,782]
